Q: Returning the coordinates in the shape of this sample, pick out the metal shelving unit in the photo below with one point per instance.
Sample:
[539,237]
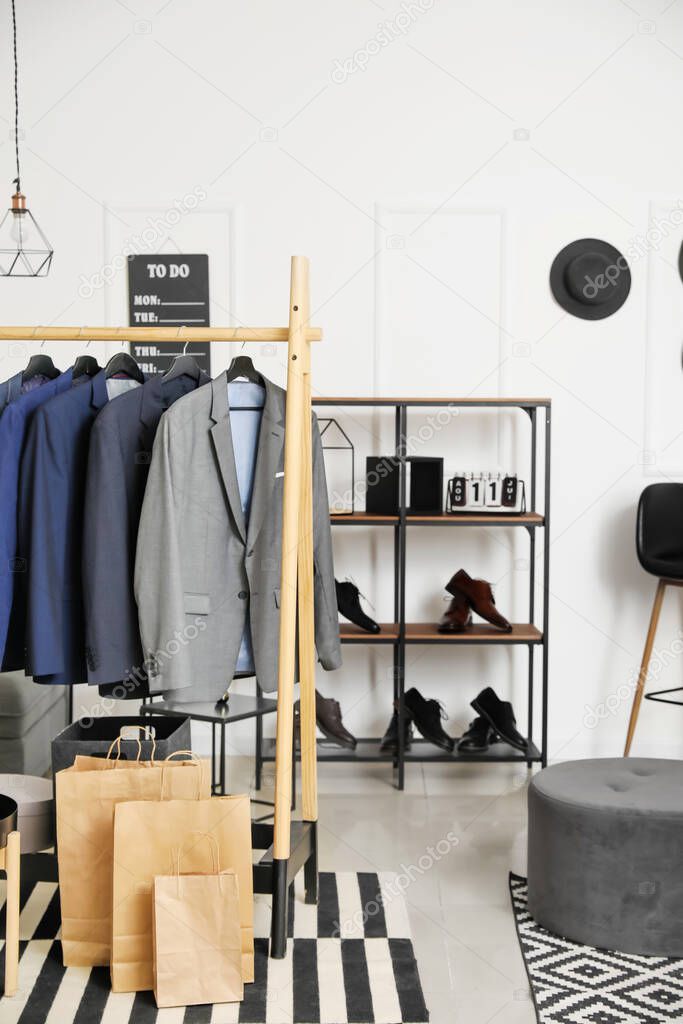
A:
[399,633]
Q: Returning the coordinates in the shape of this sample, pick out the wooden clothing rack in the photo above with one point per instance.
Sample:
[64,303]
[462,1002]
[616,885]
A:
[288,846]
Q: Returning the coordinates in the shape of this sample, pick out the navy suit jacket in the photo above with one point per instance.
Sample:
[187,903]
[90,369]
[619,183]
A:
[52,495]
[14,423]
[16,386]
[121,443]
[9,390]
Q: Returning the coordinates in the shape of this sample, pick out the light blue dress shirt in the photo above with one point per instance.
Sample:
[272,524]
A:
[245,425]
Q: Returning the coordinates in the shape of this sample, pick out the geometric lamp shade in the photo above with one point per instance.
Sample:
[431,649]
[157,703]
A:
[24,249]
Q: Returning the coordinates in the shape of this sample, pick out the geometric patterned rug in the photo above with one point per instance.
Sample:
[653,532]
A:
[350,958]
[575,984]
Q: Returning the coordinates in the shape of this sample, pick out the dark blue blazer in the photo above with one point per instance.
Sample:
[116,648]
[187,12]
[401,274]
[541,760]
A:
[14,424]
[121,443]
[52,495]
[9,390]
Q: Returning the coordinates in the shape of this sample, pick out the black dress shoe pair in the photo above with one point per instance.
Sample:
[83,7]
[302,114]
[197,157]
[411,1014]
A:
[478,738]
[348,603]
[389,744]
[498,714]
[426,715]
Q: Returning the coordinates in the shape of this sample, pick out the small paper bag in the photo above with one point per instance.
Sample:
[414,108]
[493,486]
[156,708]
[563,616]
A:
[196,936]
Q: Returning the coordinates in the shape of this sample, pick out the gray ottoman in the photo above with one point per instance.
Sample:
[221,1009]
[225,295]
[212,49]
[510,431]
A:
[606,853]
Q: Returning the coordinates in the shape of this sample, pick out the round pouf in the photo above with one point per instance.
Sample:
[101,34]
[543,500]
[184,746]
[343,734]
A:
[606,853]
[33,797]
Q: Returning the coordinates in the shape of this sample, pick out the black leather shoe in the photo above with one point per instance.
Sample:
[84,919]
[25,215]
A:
[427,715]
[389,744]
[348,603]
[478,738]
[500,716]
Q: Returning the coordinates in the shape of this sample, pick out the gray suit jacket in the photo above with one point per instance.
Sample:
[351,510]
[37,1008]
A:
[200,571]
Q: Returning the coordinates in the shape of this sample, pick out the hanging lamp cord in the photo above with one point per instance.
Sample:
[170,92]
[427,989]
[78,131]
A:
[16,97]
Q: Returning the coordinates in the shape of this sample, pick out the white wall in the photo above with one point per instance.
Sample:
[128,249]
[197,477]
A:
[431,189]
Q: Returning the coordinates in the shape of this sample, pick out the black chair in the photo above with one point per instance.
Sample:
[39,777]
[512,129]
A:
[659,544]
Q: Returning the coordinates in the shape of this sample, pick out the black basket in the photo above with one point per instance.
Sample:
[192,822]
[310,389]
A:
[94,736]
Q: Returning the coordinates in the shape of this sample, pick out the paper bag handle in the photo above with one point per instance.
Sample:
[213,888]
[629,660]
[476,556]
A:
[215,857]
[194,758]
[149,734]
[187,753]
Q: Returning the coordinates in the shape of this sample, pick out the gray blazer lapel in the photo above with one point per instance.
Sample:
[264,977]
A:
[225,454]
[270,444]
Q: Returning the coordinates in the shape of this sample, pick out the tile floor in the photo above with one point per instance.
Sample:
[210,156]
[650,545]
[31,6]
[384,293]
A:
[473,817]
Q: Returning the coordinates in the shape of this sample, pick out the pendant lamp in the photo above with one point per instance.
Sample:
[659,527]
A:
[24,249]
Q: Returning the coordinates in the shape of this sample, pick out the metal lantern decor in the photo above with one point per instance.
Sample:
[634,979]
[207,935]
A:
[24,249]
[341,478]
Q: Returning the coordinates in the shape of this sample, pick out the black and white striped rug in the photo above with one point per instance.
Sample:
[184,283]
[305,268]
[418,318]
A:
[575,984]
[350,958]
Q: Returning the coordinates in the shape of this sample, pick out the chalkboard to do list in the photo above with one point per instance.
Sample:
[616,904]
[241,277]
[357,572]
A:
[169,291]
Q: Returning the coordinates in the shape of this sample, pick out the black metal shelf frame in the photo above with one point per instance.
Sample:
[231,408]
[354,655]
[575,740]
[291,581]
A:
[535,409]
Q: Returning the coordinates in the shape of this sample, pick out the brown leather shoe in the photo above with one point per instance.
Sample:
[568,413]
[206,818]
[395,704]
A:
[479,596]
[457,616]
[329,720]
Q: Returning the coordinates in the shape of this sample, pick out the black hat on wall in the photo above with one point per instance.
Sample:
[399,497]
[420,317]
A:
[590,279]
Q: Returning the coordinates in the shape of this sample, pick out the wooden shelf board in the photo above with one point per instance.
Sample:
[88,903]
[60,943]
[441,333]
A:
[363,519]
[351,634]
[481,633]
[474,402]
[426,632]
[477,519]
[440,519]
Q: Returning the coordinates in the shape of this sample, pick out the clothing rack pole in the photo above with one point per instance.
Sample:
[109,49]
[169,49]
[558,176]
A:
[306,592]
[295,422]
[296,586]
[209,334]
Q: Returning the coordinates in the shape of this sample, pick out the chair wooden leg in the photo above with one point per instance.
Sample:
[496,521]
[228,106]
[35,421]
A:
[645,664]
[11,865]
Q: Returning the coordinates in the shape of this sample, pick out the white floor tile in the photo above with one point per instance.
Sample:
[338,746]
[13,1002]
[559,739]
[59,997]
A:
[456,831]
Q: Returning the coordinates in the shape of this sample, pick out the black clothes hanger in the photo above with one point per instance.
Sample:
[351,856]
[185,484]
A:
[85,366]
[42,365]
[123,363]
[182,366]
[242,366]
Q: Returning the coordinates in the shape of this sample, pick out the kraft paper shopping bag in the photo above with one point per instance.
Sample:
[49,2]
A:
[87,794]
[145,836]
[196,936]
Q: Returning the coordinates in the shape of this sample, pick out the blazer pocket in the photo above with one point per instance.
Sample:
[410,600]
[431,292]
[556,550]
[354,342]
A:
[276,595]
[197,604]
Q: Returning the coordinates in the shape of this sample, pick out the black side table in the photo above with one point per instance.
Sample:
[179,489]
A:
[220,715]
